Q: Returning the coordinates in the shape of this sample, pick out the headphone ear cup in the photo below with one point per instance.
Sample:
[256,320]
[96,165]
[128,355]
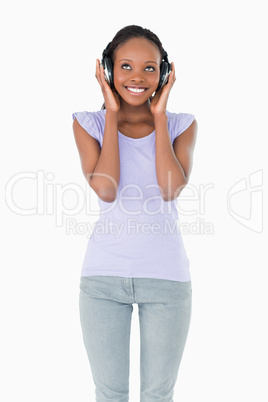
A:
[165,69]
[108,70]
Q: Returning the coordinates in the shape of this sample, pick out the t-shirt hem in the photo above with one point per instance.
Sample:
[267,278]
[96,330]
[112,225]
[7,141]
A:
[128,275]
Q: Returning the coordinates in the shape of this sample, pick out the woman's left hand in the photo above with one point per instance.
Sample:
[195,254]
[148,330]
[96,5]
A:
[159,101]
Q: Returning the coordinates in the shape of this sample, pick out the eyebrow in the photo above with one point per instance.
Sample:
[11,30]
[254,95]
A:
[148,61]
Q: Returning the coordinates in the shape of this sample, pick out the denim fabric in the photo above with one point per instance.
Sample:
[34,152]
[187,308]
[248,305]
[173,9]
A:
[106,305]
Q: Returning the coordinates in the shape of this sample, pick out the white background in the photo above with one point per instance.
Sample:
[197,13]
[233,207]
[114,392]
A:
[49,50]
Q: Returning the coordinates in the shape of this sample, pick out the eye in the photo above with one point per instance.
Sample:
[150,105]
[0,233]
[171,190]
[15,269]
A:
[150,68]
[126,67]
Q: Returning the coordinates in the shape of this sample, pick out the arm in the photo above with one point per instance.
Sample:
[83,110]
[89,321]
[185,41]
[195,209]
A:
[173,163]
[100,165]
[106,174]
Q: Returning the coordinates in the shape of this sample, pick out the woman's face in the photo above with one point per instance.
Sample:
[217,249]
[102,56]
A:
[137,70]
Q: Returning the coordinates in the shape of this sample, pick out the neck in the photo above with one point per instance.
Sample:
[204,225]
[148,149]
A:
[134,114]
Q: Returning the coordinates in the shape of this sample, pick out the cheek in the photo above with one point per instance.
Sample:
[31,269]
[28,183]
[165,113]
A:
[154,80]
[118,76]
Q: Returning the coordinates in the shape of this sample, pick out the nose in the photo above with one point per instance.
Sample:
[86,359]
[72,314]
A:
[137,77]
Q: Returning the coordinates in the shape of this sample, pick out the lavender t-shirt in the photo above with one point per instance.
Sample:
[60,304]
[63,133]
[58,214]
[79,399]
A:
[137,235]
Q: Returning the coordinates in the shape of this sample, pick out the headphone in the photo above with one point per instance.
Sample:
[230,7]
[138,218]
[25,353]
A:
[165,68]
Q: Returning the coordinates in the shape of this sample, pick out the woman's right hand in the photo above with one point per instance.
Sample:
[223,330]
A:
[111,98]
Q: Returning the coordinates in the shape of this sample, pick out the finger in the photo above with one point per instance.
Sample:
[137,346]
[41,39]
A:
[174,73]
[172,77]
[97,74]
[99,69]
[100,74]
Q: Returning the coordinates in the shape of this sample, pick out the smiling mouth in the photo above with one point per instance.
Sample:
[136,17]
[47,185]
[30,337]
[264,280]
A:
[136,90]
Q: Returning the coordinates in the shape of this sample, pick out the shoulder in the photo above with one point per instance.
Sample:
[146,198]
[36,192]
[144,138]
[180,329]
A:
[179,122]
[86,117]
[92,122]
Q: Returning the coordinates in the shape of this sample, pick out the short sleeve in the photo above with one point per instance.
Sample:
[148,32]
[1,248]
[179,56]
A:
[178,123]
[87,121]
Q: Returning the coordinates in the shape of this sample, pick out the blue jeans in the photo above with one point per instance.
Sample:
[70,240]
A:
[106,305]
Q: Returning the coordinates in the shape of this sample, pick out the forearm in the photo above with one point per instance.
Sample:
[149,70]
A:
[170,175]
[106,175]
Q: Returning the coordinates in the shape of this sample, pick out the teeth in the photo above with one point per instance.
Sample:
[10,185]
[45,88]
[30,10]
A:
[136,89]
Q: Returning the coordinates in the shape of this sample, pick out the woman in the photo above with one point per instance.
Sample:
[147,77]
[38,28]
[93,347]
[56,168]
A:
[137,157]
